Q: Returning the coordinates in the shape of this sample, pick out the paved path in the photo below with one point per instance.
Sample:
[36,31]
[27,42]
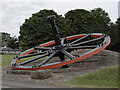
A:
[14,84]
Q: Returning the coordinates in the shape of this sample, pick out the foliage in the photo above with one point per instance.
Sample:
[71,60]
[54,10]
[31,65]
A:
[114,32]
[118,34]
[37,30]
[13,42]
[79,20]
[99,20]
[85,21]
[95,21]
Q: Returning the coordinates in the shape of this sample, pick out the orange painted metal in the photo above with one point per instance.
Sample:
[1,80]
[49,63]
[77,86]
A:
[31,50]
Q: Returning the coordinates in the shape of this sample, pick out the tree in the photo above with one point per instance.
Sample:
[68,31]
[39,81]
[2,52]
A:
[99,20]
[79,20]
[113,36]
[37,29]
[118,33]
[13,42]
[85,21]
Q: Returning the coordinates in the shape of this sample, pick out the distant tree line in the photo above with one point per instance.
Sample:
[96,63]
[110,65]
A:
[13,42]
[37,30]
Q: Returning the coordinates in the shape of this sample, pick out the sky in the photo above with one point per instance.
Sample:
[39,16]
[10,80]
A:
[14,12]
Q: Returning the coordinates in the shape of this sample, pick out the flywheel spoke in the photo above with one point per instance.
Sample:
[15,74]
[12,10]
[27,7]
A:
[48,58]
[43,48]
[30,55]
[96,39]
[41,56]
[68,54]
[80,39]
[83,47]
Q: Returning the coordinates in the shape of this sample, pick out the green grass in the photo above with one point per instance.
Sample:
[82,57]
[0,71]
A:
[6,59]
[106,78]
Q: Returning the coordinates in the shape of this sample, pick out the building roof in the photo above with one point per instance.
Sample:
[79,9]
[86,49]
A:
[8,49]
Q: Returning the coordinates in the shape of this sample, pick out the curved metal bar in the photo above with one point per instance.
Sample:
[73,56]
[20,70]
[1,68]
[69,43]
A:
[27,51]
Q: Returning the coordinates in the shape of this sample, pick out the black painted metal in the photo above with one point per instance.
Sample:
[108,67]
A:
[83,47]
[88,41]
[54,30]
[80,39]
[30,55]
[58,41]
[48,58]
[41,56]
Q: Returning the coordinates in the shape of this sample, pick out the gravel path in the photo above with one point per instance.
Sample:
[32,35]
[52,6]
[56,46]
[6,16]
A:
[103,59]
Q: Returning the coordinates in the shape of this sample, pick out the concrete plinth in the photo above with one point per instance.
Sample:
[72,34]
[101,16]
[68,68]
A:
[22,72]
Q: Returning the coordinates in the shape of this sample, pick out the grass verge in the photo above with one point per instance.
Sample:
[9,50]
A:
[6,59]
[105,78]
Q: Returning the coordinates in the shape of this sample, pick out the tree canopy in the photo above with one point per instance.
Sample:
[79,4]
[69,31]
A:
[37,30]
[13,42]
[85,21]
[117,30]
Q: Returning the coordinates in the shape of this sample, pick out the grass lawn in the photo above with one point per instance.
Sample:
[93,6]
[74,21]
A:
[6,59]
[105,78]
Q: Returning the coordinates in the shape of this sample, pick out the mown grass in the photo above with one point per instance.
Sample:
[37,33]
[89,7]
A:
[106,78]
[6,59]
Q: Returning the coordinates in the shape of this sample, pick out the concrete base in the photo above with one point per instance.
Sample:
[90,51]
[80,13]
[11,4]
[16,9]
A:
[38,74]
[41,74]
[22,72]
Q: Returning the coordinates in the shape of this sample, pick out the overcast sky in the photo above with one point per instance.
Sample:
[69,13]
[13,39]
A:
[14,12]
